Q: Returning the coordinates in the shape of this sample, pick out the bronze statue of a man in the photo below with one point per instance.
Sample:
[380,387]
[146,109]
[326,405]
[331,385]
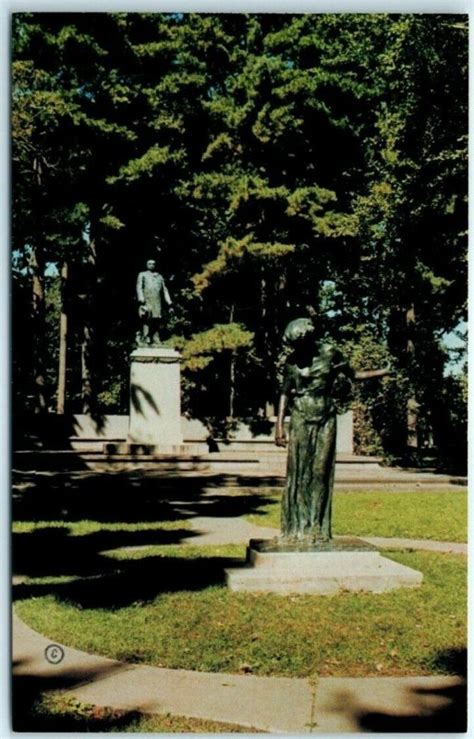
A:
[311,371]
[152,294]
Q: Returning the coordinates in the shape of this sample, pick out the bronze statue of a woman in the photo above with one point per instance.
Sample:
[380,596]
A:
[311,370]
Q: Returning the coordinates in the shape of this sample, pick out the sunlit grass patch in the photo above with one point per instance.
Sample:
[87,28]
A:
[188,552]
[408,631]
[414,515]
[85,527]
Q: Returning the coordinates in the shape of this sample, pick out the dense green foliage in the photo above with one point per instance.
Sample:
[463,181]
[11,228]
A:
[270,162]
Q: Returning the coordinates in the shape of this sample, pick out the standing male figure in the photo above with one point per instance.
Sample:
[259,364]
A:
[151,294]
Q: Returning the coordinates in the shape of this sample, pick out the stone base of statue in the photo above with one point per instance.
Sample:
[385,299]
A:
[155,403]
[322,568]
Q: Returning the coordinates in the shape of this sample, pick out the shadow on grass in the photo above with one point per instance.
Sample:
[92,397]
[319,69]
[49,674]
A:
[133,581]
[52,552]
[117,499]
[30,714]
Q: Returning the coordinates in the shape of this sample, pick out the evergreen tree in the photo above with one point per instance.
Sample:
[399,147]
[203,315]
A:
[271,164]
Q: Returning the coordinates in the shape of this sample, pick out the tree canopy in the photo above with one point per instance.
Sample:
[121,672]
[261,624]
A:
[269,163]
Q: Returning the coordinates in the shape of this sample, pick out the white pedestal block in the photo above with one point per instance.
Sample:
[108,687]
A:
[155,403]
[320,572]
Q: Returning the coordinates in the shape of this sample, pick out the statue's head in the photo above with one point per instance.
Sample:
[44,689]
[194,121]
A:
[151,265]
[298,332]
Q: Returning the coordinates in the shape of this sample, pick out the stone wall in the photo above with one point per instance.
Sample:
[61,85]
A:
[115,428]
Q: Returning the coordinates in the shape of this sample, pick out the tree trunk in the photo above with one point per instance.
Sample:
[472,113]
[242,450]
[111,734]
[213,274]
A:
[63,328]
[232,371]
[86,373]
[266,349]
[38,302]
[38,327]
[88,363]
[412,422]
[412,403]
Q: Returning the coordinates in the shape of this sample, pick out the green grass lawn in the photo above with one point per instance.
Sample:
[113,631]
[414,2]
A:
[409,631]
[132,591]
[413,515]
[86,527]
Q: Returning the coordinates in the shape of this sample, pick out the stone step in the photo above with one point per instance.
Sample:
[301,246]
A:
[350,471]
[321,572]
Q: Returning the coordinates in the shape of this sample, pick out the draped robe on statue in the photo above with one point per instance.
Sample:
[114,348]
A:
[307,499]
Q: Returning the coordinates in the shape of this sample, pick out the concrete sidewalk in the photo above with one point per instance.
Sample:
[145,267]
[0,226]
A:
[271,704]
[233,530]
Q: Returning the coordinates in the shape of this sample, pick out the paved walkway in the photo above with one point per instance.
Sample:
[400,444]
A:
[228,530]
[228,468]
[215,530]
[431,546]
[271,704]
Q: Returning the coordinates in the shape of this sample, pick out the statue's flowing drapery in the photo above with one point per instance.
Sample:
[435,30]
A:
[307,499]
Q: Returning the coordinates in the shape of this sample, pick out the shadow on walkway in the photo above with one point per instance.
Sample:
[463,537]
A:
[415,708]
[449,716]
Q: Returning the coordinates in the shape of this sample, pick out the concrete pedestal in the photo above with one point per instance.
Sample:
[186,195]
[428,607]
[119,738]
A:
[343,564]
[155,404]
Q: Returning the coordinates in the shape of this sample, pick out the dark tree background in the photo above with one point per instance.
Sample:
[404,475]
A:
[269,163]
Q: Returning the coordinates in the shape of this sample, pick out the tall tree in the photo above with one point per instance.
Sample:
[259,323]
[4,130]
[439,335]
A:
[413,215]
[270,163]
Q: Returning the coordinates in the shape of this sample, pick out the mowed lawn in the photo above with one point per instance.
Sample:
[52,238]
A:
[434,515]
[167,604]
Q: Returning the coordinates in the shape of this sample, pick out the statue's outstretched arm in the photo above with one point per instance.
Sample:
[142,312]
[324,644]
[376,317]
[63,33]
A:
[280,436]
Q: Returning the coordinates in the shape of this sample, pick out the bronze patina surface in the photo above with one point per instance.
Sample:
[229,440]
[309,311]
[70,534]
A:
[338,544]
[152,296]
[313,367]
